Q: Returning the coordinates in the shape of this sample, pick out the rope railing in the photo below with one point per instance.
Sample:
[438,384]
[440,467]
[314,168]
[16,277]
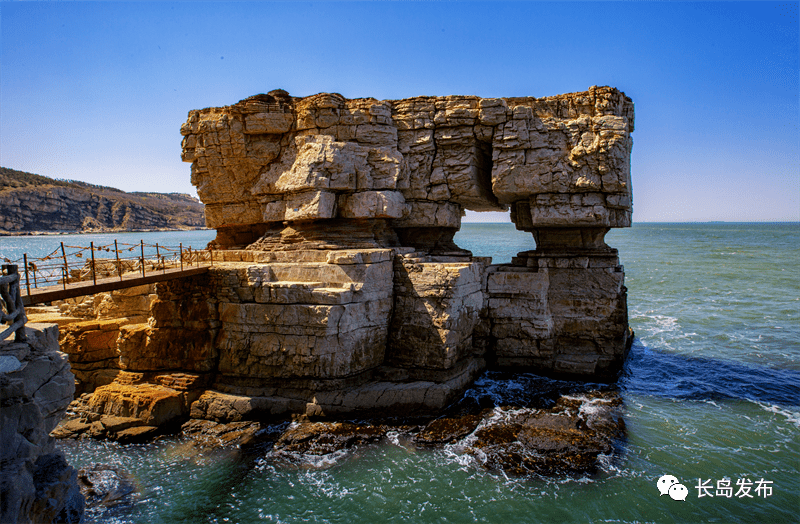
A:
[70,264]
[12,311]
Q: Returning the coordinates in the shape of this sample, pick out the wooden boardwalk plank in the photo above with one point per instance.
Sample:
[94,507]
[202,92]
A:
[78,289]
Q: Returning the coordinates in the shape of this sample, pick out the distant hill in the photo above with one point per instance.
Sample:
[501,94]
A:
[30,202]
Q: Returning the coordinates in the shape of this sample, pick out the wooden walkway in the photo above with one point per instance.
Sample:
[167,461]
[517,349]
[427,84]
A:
[40,295]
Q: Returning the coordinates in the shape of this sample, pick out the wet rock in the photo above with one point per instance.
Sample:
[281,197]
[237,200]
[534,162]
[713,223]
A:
[106,485]
[447,430]
[321,438]
[569,438]
[210,434]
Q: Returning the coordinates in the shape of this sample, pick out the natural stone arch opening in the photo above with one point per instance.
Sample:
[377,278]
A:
[278,172]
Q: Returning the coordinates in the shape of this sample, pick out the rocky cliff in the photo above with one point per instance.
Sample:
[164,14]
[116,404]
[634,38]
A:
[36,386]
[337,288]
[31,202]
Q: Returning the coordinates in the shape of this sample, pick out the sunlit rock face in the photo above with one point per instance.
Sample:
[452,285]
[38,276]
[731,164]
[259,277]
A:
[273,162]
[337,287]
[336,181]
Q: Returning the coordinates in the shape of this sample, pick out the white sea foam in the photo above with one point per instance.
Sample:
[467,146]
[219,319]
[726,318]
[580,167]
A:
[793,417]
[323,483]
[394,438]
[656,330]
[304,461]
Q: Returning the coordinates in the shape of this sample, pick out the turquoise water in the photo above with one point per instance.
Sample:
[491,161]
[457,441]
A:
[711,392]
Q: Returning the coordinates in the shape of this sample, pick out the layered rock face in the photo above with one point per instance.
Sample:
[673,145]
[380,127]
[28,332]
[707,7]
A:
[279,173]
[36,386]
[415,164]
[337,288]
[90,328]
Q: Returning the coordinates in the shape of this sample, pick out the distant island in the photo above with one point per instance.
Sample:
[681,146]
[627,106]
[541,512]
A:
[31,203]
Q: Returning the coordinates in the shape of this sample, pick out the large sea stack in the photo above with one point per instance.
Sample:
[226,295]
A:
[337,289]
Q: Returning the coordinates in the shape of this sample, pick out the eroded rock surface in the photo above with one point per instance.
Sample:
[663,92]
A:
[561,161]
[37,484]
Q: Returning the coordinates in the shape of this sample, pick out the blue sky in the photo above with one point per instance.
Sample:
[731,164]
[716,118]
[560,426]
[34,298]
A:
[97,91]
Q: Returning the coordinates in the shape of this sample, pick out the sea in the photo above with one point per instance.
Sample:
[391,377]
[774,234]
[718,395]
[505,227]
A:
[711,394]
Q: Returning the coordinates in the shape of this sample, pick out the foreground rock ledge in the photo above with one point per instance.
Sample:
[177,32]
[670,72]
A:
[36,386]
[571,431]
[337,290]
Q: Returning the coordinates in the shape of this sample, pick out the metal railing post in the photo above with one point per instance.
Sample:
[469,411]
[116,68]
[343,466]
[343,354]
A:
[27,280]
[181,248]
[66,266]
[141,243]
[116,252]
[94,270]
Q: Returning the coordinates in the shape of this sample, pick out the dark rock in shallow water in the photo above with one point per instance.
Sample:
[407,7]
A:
[559,429]
[571,436]
[447,430]
[568,438]
[321,438]
[210,434]
[106,485]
